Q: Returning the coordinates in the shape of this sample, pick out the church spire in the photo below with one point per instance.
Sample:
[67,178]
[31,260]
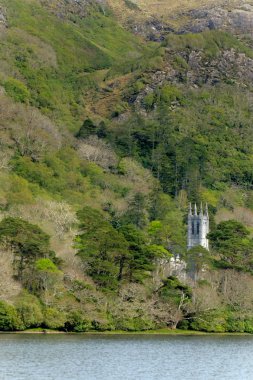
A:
[206,210]
[195,209]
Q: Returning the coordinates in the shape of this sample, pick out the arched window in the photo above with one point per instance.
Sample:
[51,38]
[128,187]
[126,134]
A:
[198,228]
[193,228]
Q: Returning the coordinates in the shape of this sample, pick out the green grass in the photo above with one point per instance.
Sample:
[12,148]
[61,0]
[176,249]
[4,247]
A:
[211,42]
[176,332]
[56,59]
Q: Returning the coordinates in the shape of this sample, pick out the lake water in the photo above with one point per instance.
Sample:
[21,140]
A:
[79,357]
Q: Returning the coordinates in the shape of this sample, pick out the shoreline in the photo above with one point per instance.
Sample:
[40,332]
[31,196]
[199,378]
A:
[162,332]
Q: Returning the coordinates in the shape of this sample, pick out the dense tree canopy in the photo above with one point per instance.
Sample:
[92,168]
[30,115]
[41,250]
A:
[231,241]
[27,241]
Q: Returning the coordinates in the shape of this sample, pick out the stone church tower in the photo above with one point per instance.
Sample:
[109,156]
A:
[198,227]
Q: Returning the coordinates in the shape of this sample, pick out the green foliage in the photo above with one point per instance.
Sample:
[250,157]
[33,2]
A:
[29,311]
[172,289]
[231,241]
[20,191]
[149,100]
[211,42]
[196,139]
[17,90]
[183,138]
[54,319]
[28,242]
[112,255]
[197,259]
[88,128]
[213,321]
[169,94]
[141,256]
[136,211]
[46,265]
[59,174]
[220,321]
[9,319]
[102,248]
[57,59]
[134,324]
[77,322]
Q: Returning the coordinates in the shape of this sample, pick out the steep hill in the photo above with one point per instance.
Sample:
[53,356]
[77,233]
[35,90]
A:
[105,137]
[153,19]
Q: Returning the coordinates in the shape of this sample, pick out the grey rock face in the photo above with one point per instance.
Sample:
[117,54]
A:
[71,8]
[239,19]
[229,66]
[207,19]
[3,20]
[242,20]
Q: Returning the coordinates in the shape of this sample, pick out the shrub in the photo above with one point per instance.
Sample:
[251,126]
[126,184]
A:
[77,322]
[54,319]
[17,90]
[9,319]
[213,321]
[29,311]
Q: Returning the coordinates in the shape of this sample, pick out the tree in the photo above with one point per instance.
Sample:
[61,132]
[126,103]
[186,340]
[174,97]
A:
[142,256]
[88,128]
[136,213]
[35,135]
[29,310]
[102,248]
[9,319]
[98,151]
[172,302]
[27,241]
[44,278]
[231,241]
[197,259]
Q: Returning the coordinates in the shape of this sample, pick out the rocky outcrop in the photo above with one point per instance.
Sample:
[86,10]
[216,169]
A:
[3,19]
[72,8]
[232,15]
[229,66]
[238,19]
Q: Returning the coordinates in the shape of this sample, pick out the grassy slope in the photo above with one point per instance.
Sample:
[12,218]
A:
[62,65]
[65,68]
[59,88]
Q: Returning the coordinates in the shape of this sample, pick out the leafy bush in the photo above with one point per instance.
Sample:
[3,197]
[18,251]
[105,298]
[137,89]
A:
[29,310]
[213,321]
[54,319]
[9,319]
[17,90]
[77,322]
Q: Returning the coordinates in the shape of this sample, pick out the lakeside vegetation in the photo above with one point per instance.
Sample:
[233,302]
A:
[104,140]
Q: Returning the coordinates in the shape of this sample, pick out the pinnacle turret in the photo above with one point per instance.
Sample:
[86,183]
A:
[201,209]
[206,210]
[190,209]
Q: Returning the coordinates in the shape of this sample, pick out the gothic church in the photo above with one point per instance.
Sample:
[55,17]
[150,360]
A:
[198,227]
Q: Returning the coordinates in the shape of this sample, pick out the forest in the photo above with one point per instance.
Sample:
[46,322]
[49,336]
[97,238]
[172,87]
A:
[106,136]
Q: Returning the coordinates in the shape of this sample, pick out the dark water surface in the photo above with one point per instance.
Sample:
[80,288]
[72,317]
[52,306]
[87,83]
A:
[60,357]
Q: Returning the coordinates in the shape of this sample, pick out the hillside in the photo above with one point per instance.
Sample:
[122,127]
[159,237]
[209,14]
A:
[153,19]
[106,134]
